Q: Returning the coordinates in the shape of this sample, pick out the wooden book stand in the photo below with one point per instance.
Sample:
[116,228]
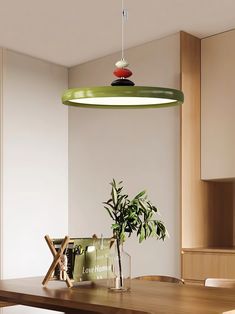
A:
[57,259]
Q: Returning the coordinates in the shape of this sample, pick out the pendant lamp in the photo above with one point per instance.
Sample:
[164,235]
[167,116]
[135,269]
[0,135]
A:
[122,93]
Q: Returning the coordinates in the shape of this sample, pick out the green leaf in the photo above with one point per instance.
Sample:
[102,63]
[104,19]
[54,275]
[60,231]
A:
[121,198]
[140,194]
[142,234]
[109,201]
[122,237]
[150,231]
[108,204]
[109,211]
[114,195]
[119,189]
[143,206]
[136,215]
[115,226]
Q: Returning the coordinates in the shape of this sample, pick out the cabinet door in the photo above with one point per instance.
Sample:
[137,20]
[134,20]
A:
[218,107]
[201,265]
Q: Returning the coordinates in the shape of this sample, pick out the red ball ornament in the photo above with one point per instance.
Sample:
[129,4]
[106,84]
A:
[122,72]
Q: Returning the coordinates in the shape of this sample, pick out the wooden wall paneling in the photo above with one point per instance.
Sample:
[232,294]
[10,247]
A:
[207,207]
[193,190]
[202,265]
[233,213]
[220,214]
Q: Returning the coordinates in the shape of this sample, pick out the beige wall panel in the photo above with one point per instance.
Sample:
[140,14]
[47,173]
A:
[1,95]
[140,147]
[34,165]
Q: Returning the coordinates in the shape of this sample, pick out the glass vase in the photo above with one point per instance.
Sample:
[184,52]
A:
[119,269]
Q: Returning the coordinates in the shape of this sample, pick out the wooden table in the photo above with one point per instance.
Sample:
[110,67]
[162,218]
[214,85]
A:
[144,297]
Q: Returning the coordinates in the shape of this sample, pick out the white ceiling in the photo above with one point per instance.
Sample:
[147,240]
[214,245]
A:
[70,32]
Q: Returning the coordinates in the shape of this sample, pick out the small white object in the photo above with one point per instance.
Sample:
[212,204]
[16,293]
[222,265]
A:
[90,248]
[121,64]
[117,283]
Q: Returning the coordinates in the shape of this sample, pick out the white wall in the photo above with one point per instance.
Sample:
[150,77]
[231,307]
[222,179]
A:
[34,164]
[140,147]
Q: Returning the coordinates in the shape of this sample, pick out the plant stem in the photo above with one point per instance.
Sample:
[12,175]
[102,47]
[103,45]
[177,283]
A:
[119,262]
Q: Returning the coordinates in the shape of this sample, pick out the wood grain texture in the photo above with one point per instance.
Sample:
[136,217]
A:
[161,278]
[5,304]
[220,214]
[56,261]
[201,265]
[193,190]
[206,207]
[144,297]
[210,249]
[54,253]
[194,282]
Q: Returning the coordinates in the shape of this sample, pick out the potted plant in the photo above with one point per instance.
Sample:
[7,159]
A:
[130,216]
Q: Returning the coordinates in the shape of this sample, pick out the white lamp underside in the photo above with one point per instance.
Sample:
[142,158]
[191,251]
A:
[122,101]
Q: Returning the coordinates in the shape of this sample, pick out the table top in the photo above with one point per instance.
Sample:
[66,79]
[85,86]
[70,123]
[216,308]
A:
[144,297]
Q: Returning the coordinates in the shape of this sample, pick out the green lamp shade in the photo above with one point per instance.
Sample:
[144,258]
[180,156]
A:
[122,97]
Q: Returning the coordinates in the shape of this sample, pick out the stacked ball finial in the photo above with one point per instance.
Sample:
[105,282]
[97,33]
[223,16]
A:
[122,72]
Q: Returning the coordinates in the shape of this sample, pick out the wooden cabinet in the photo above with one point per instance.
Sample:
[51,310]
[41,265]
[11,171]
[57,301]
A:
[199,264]
[218,107]
[207,207]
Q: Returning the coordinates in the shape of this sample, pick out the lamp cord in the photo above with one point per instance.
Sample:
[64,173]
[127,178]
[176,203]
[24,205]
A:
[124,19]
[121,71]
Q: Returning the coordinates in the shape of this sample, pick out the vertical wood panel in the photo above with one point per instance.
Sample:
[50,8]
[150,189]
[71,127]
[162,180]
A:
[202,265]
[194,191]
[220,214]
[207,206]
